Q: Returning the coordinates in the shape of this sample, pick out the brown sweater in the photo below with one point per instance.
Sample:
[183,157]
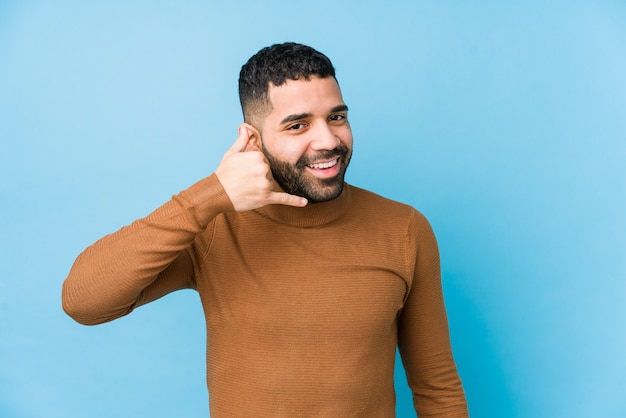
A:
[304,306]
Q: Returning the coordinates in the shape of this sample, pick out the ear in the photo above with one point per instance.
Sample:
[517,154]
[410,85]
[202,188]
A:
[254,142]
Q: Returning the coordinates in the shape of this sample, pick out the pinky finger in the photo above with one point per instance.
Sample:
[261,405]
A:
[287,199]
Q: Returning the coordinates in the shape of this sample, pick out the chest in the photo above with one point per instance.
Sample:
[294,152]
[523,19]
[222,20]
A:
[317,283]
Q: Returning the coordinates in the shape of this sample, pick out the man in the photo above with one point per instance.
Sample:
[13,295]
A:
[307,283]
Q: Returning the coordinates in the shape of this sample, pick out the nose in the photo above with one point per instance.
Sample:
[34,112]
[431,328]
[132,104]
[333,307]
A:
[324,138]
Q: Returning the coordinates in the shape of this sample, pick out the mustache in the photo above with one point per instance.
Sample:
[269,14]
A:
[340,151]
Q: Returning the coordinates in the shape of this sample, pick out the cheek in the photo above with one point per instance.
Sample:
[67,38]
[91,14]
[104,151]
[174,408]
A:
[345,135]
[288,149]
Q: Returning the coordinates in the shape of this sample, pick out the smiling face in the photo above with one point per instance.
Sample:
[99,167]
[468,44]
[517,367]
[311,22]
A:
[306,137]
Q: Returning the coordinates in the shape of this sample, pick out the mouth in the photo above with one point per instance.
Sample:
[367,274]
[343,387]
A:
[325,169]
[324,165]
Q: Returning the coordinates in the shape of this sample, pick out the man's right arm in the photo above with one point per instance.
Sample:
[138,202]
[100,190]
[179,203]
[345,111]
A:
[150,258]
[144,260]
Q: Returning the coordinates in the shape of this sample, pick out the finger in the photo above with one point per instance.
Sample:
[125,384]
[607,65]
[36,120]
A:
[281,198]
[241,142]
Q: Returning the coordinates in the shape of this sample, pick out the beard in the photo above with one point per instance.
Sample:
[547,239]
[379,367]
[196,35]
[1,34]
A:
[294,179]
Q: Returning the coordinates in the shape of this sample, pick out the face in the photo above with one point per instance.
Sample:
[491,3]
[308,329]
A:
[307,139]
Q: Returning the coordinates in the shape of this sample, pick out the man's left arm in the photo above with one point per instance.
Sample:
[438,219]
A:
[423,336]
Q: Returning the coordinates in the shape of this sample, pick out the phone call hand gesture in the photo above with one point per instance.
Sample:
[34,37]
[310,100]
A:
[247,178]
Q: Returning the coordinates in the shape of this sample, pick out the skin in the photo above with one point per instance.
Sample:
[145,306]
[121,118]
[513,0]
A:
[307,122]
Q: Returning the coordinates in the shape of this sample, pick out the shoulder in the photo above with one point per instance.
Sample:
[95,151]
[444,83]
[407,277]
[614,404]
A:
[390,216]
[370,202]
[395,229]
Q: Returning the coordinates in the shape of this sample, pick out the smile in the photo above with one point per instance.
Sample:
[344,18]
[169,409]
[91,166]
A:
[324,165]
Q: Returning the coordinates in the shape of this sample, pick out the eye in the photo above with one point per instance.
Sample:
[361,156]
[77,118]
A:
[339,117]
[296,126]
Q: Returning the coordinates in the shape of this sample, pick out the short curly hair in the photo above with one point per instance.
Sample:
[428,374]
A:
[276,64]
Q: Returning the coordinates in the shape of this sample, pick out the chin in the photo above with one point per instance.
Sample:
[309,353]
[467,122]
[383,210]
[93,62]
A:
[323,193]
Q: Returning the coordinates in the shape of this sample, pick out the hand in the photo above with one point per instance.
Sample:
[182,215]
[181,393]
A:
[247,178]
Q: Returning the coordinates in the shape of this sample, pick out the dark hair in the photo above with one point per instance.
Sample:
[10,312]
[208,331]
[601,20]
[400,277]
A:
[276,64]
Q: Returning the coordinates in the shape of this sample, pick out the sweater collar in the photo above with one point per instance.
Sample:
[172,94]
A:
[316,214]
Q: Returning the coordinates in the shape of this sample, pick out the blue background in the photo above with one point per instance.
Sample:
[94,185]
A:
[504,122]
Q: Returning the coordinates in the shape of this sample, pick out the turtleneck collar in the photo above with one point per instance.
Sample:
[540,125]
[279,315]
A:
[316,214]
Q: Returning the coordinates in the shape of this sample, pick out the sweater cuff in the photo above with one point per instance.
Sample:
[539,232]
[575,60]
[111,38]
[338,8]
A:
[206,199]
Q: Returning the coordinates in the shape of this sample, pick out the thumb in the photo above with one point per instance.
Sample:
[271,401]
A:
[241,142]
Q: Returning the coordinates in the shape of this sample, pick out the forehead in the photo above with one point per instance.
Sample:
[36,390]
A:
[316,95]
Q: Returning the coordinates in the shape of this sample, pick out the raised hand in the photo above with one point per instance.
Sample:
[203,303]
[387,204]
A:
[247,178]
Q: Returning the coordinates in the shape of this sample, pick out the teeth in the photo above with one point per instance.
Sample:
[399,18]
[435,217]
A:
[324,165]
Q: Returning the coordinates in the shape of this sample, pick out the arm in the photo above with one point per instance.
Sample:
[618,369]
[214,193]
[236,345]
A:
[423,336]
[153,256]
[143,261]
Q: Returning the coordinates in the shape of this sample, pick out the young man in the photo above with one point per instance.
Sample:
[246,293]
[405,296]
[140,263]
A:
[307,283]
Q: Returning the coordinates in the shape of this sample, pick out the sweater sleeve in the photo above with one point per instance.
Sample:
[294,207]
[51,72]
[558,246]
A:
[423,335]
[144,260]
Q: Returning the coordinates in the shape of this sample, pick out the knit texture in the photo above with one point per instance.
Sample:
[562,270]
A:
[304,306]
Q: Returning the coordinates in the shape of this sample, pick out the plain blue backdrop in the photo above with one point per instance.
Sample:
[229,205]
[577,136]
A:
[503,122]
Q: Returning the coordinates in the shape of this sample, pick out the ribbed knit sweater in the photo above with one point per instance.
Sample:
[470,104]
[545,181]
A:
[304,307]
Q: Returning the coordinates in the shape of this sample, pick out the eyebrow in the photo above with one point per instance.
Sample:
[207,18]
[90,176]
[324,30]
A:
[294,117]
[300,116]
[340,108]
